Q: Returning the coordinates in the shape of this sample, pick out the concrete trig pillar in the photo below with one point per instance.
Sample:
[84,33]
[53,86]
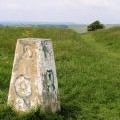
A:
[34,81]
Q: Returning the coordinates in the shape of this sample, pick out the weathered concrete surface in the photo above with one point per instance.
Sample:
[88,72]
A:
[33,81]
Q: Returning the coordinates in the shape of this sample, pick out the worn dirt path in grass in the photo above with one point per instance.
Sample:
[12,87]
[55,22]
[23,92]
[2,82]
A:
[89,39]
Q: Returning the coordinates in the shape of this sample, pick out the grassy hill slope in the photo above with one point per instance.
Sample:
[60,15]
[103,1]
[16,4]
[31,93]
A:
[88,70]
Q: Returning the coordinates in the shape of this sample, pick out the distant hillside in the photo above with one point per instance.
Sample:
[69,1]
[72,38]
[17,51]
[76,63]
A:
[36,25]
[79,28]
[83,28]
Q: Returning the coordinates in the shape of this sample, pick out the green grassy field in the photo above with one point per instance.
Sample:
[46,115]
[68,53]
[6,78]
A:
[88,70]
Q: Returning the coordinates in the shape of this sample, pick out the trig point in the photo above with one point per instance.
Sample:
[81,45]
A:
[34,81]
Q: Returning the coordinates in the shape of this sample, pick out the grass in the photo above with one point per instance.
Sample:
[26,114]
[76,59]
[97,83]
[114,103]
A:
[88,70]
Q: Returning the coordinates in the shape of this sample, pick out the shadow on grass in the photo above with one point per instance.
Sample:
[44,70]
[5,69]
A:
[67,112]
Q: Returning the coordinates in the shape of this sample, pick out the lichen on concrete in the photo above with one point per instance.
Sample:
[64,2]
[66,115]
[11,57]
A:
[34,81]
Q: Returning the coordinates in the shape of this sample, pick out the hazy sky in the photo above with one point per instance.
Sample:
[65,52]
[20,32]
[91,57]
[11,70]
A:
[77,11]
